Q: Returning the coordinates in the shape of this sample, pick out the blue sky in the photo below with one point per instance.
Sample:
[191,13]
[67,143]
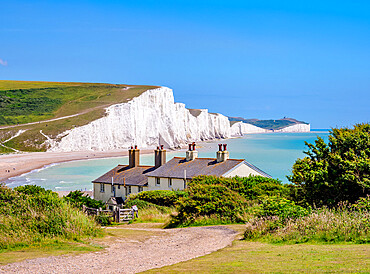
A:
[258,59]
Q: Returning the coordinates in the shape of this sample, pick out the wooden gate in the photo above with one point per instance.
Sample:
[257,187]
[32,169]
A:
[124,215]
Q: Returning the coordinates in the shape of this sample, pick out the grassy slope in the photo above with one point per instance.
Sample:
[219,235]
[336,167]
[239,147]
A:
[87,99]
[258,257]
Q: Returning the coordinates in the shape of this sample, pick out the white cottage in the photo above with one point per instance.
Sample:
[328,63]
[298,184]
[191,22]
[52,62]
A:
[172,175]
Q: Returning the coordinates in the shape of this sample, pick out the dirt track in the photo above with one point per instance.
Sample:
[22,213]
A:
[170,247]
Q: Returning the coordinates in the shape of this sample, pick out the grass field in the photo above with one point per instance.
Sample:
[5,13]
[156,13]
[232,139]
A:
[24,102]
[259,257]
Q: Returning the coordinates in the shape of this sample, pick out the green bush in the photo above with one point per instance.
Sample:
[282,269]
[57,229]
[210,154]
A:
[222,200]
[251,187]
[216,201]
[78,199]
[141,204]
[280,207]
[30,214]
[337,171]
[158,197]
[363,204]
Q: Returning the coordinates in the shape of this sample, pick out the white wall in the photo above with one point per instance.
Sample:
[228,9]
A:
[120,192]
[242,171]
[177,184]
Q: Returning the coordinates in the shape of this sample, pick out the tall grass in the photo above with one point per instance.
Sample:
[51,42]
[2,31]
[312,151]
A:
[155,215]
[30,215]
[323,225]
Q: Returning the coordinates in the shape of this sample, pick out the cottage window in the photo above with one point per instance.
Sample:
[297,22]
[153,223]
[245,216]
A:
[157,181]
[128,190]
[102,188]
[140,188]
[169,182]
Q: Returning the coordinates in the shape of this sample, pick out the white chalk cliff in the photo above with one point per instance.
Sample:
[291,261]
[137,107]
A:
[240,128]
[296,128]
[148,120]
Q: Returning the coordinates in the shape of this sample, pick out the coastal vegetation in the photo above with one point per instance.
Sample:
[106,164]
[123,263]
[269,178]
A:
[31,215]
[334,172]
[40,103]
[345,223]
[155,206]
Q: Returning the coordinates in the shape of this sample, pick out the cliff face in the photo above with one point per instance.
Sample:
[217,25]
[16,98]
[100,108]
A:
[151,119]
[296,128]
[148,120]
[240,128]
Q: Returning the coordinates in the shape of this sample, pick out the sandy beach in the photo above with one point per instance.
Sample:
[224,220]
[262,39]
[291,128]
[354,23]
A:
[16,164]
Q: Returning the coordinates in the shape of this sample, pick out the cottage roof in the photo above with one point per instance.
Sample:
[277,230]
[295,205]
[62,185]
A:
[200,166]
[123,174]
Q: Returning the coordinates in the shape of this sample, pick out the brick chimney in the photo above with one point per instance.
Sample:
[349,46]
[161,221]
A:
[134,157]
[191,154]
[159,156]
[222,155]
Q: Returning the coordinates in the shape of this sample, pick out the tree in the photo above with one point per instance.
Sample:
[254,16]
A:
[337,171]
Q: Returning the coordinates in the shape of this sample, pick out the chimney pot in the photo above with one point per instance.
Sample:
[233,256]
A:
[189,147]
[193,146]
[219,147]
[225,145]
[159,157]
[134,157]
[135,146]
[161,147]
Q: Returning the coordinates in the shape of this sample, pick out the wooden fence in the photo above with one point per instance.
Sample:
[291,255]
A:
[119,215]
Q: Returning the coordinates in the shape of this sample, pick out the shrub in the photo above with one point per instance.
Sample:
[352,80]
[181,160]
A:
[251,187]
[280,207]
[337,171]
[30,214]
[141,204]
[158,197]
[363,204]
[78,199]
[211,200]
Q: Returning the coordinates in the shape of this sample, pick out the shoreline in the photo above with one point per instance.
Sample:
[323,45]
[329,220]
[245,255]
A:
[23,163]
[26,162]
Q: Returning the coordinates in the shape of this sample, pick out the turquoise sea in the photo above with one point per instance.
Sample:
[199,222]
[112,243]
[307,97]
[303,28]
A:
[274,153]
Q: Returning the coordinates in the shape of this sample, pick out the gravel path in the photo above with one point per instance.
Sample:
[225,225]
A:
[173,246]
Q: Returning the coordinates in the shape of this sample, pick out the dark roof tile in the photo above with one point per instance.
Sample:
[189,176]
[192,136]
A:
[123,174]
[176,167]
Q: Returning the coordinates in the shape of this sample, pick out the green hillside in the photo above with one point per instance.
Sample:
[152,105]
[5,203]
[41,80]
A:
[28,105]
[268,124]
